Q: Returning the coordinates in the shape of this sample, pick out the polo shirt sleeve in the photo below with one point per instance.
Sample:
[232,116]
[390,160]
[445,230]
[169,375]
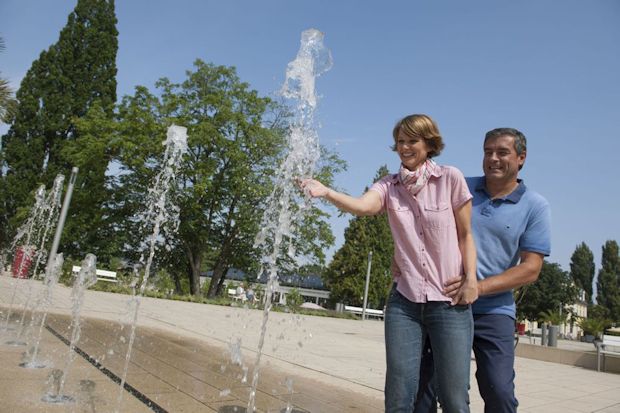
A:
[460,190]
[537,234]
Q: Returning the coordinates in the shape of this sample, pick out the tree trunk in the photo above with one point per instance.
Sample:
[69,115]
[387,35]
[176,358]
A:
[219,274]
[222,264]
[177,283]
[220,284]
[195,262]
[194,285]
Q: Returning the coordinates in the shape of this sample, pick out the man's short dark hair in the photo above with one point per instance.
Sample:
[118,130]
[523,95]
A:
[519,138]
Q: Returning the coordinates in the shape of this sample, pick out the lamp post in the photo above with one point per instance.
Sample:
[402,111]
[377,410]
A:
[61,221]
[366,287]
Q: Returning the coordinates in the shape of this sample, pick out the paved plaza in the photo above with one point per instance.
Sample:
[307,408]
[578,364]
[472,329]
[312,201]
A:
[199,358]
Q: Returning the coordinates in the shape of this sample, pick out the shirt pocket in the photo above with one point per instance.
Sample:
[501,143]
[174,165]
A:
[400,216]
[439,215]
[396,204]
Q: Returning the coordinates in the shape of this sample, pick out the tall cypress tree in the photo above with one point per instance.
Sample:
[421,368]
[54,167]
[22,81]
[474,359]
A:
[608,283]
[60,87]
[582,269]
[346,275]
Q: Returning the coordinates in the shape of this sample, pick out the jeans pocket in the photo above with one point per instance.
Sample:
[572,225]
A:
[459,308]
[394,296]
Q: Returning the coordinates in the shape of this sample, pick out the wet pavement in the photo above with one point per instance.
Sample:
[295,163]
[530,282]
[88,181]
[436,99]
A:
[191,357]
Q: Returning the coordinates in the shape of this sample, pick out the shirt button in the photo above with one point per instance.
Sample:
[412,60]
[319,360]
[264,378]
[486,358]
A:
[422,249]
[423,265]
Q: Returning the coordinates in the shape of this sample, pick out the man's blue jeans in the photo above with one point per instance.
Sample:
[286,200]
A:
[494,350]
[450,329]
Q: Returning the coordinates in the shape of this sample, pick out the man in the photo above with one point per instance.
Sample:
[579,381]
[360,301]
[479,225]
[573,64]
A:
[511,225]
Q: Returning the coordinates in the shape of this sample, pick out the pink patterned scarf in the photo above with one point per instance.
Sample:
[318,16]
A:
[415,180]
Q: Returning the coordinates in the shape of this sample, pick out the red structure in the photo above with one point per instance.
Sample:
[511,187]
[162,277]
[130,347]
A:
[22,261]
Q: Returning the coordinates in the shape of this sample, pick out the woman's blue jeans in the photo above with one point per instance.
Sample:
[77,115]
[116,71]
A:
[450,329]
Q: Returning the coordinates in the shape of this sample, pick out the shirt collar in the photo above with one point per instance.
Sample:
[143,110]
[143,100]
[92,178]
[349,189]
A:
[514,196]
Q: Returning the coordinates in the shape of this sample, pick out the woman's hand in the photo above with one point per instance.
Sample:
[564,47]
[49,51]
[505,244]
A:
[462,290]
[367,204]
[313,188]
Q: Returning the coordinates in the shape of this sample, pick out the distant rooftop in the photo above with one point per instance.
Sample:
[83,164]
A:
[292,280]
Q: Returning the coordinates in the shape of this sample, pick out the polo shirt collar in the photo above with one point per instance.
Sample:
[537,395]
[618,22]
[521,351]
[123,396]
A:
[514,196]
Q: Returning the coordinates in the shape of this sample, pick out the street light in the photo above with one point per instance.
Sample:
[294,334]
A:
[51,259]
[366,288]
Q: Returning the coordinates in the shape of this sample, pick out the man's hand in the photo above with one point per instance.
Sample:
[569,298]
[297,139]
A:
[526,272]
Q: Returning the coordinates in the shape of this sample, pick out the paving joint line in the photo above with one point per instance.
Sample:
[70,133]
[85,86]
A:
[110,374]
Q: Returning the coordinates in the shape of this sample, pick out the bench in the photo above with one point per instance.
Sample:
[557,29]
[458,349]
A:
[102,275]
[602,348]
[535,332]
[232,293]
[370,312]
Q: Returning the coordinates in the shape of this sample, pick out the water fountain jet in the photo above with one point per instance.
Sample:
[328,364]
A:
[161,215]
[85,278]
[50,280]
[284,209]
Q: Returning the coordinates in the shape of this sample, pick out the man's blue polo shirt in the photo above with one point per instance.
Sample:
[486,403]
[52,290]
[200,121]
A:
[503,228]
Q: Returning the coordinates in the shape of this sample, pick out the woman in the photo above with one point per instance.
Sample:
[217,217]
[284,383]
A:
[429,210]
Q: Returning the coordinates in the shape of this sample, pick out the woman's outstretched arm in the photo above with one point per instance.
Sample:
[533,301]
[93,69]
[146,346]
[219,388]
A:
[367,204]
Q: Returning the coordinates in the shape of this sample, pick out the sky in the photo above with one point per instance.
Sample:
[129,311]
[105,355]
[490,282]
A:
[548,68]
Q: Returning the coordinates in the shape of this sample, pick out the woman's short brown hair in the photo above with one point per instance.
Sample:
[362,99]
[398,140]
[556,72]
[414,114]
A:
[421,127]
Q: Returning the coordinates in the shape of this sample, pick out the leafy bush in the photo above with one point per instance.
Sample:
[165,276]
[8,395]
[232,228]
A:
[552,317]
[593,326]
[318,313]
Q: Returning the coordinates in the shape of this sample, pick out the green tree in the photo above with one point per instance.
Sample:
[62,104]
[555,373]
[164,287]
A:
[60,87]
[7,109]
[346,274]
[553,290]
[598,311]
[91,221]
[294,299]
[582,269]
[7,100]
[235,139]
[608,282]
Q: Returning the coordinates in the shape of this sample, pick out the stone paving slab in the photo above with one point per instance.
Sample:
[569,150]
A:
[178,375]
[21,389]
[183,360]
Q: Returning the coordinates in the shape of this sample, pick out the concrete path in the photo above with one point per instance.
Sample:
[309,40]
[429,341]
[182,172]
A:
[194,357]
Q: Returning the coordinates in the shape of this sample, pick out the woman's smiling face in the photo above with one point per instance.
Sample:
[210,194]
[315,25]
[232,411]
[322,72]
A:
[412,151]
